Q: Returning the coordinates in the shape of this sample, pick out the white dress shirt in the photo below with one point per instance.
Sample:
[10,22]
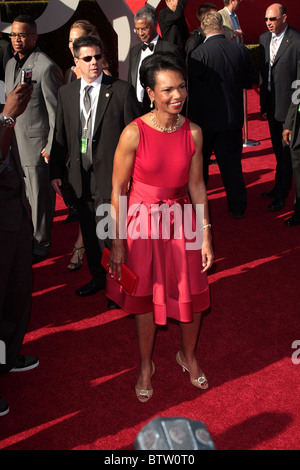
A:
[94,96]
[279,38]
[139,89]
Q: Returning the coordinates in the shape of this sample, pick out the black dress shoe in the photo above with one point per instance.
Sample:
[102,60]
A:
[24,363]
[38,258]
[90,289]
[3,407]
[292,221]
[270,194]
[277,204]
[111,305]
[237,215]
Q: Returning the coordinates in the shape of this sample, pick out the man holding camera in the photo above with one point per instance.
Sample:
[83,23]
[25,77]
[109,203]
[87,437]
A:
[34,128]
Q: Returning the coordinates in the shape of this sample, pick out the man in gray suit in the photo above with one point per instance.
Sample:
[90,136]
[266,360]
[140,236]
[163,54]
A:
[145,21]
[232,29]
[34,128]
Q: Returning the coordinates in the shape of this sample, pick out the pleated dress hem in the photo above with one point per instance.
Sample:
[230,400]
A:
[174,309]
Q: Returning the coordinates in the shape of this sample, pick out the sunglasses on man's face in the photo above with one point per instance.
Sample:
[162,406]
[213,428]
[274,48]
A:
[271,18]
[88,58]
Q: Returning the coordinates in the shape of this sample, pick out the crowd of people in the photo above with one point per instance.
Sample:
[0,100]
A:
[95,139]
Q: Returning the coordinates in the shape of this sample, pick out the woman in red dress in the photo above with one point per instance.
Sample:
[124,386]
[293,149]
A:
[160,156]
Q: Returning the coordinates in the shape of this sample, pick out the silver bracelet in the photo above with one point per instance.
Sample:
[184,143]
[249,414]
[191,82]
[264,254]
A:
[205,226]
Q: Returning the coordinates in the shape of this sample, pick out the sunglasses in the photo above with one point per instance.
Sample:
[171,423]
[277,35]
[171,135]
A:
[88,58]
[19,35]
[272,18]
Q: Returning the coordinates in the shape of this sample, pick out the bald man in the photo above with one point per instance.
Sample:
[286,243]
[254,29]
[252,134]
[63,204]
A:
[279,58]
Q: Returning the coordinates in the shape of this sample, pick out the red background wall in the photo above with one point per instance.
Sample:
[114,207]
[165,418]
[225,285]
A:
[251,14]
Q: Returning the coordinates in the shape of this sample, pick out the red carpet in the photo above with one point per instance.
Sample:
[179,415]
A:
[82,395]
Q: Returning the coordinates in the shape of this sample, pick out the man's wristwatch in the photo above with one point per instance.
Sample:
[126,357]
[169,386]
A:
[7,121]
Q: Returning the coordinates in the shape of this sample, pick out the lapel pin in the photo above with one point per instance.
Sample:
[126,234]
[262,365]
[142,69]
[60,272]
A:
[107,95]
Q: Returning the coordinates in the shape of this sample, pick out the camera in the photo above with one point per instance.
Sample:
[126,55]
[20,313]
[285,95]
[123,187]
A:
[26,75]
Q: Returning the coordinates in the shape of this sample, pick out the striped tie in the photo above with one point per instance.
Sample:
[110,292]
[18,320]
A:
[273,50]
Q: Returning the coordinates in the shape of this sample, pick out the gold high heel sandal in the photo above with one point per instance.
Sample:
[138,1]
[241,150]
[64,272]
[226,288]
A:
[200,382]
[144,395]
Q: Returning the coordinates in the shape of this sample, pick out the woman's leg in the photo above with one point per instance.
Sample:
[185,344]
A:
[146,330]
[78,252]
[189,338]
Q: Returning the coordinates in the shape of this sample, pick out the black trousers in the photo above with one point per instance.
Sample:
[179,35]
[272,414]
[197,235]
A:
[87,207]
[15,289]
[284,171]
[68,194]
[228,147]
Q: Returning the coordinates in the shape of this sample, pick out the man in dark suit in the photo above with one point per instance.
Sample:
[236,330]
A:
[15,243]
[219,70]
[173,25]
[279,57]
[89,137]
[291,136]
[145,21]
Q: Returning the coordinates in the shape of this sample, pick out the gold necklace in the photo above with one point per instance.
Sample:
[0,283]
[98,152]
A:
[164,129]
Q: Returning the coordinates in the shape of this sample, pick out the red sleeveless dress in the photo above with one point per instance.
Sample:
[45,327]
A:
[171,283]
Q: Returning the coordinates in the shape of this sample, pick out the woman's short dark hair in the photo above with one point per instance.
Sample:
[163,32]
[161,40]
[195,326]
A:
[86,41]
[157,62]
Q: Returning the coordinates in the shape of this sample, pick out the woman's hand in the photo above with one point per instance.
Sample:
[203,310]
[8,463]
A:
[207,255]
[116,258]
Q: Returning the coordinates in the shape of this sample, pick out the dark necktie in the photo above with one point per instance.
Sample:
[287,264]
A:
[151,46]
[86,130]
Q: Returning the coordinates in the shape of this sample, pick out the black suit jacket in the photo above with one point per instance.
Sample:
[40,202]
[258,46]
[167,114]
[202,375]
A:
[117,107]
[219,71]
[134,60]
[196,38]
[292,121]
[283,73]
[173,25]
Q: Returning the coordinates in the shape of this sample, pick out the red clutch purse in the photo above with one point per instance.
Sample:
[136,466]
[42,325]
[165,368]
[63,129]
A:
[128,280]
